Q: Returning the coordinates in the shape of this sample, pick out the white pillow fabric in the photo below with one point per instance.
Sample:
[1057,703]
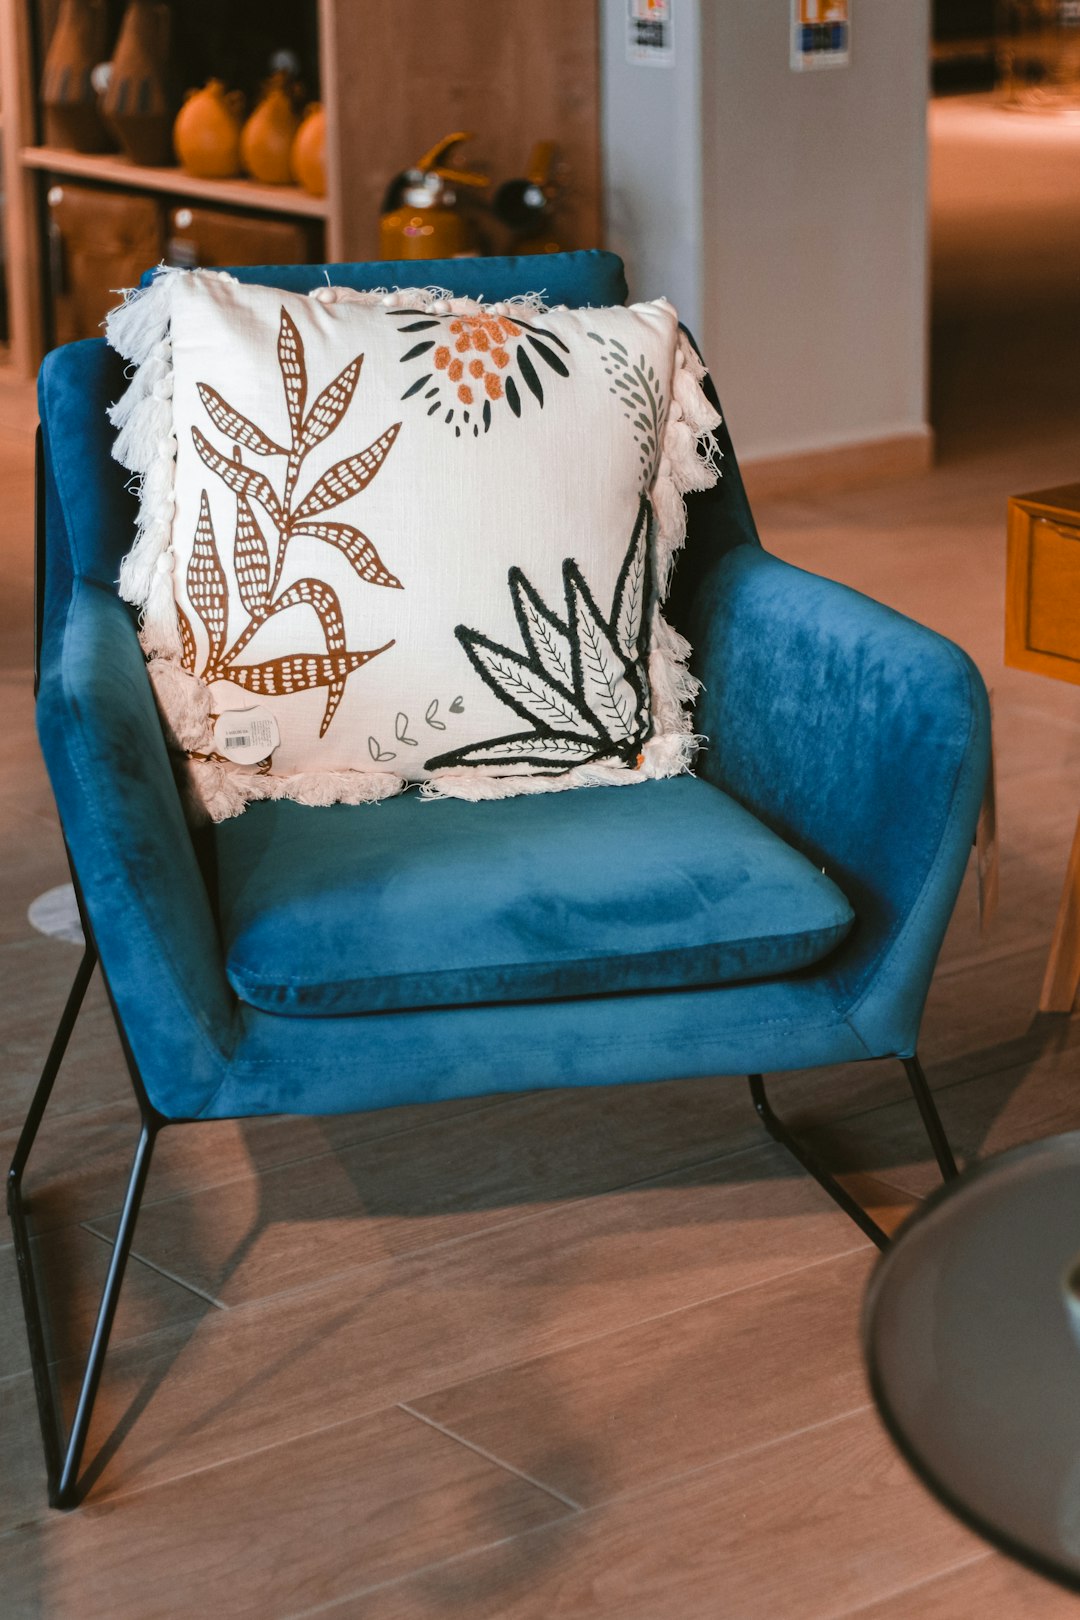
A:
[394,538]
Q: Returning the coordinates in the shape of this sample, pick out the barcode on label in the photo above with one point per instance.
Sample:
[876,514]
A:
[247,736]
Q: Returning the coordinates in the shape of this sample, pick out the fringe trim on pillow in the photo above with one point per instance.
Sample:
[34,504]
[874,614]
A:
[217,790]
[146,445]
[431,300]
[138,329]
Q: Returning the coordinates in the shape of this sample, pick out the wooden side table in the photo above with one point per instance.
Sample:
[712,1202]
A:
[1042,633]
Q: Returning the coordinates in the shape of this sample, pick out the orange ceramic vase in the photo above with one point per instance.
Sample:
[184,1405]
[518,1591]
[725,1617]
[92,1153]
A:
[267,138]
[69,101]
[309,151]
[206,134]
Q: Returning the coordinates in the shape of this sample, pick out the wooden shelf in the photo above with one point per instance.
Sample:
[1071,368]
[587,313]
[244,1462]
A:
[119,171]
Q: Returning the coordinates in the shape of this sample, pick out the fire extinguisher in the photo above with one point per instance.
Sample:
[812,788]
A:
[422,215]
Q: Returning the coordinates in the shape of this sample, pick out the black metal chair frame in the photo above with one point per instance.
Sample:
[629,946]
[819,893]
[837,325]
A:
[64,1456]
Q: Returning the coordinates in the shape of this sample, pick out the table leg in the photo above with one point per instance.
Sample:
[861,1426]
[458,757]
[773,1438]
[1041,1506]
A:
[1063,964]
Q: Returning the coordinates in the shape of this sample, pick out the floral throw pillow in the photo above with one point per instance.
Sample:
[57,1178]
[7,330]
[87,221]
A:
[403,538]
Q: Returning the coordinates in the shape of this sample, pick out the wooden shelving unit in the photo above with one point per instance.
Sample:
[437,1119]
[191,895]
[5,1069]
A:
[392,80]
[118,170]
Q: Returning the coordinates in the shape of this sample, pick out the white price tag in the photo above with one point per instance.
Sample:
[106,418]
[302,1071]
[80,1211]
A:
[246,736]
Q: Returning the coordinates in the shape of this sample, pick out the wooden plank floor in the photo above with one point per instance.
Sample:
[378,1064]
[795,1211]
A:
[588,1356]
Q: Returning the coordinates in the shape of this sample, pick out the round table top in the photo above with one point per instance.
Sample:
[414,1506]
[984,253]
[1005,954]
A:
[973,1355]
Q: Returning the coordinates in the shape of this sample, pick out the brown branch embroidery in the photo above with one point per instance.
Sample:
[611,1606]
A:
[258,571]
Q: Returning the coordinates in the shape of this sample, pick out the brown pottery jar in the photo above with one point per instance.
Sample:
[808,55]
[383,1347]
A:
[78,44]
[137,103]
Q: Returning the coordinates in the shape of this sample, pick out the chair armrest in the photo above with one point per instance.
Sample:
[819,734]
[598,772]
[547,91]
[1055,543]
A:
[862,738]
[124,825]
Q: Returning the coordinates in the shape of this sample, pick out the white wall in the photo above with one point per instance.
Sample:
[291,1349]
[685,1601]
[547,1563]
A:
[786,210]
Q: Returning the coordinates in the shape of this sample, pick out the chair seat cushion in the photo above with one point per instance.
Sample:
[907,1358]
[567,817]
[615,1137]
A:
[411,903]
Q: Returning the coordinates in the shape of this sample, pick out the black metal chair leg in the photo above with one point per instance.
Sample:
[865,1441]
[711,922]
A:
[62,1458]
[931,1119]
[59,1046]
[811,1163]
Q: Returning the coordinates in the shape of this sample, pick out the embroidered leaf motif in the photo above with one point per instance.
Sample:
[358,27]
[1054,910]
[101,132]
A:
[532,748]
[356,547]
[257,583]
[293,371]
[601,677]
[237,427]
[630,590]
[528,371]
[300,672]
[207,588]
[323,598]
[346,478]
[240,479]
[602,710]
[637,388]
[251,559]
[330,406]
[520,685]
[188,652]
[544,635]
[548,355]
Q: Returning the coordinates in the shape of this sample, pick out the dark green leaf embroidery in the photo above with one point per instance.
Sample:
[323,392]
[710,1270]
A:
[581,682]
[637,388]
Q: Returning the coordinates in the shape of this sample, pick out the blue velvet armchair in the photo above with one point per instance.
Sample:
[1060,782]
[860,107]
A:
[786,907]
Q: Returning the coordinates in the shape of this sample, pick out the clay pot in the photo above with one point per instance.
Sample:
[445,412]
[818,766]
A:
[138,104]
[308,159]
[68,98]
[266,142]
[206,135]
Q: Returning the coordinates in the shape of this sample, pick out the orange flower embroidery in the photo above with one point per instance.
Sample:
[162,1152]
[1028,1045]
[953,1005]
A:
[478,349]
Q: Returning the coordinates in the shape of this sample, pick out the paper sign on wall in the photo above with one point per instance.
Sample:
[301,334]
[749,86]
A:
[650,33]
[820,33]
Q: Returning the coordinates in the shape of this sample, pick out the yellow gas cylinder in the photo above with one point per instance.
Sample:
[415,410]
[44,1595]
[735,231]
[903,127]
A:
[422,217]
